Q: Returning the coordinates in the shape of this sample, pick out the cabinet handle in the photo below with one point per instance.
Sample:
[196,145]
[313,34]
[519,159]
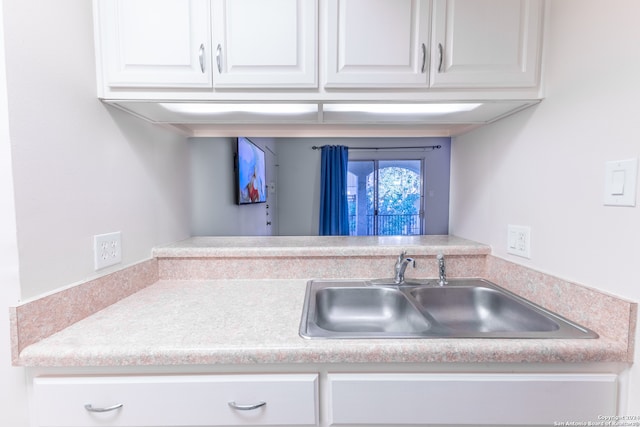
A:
[201,57]
[240,407]
[219,58]
[90,408]
[441,51]
[424,58]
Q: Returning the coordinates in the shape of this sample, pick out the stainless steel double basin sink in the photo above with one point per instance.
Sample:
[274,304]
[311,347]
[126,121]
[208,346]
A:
[463,308]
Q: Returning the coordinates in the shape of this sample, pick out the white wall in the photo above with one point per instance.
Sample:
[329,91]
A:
[299,180]
[13,404]
[81,168]
[70,168]
[545,166]
[214,211]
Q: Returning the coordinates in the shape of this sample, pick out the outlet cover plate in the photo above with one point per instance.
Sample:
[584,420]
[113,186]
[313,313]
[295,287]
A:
[107,250]
[519,240]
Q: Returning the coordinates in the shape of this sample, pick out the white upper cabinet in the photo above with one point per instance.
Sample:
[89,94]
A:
[316,51]
[265,43]
[377,43]
[154,43]
[486,43]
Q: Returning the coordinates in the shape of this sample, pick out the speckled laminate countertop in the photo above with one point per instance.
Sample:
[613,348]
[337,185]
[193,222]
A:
[306,246]
[181,322]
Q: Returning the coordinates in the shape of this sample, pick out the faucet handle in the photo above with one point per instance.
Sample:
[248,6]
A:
[401,266]
[442,269]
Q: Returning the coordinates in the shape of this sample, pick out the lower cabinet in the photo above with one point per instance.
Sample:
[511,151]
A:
[469,399]
[181,400]
[365,399]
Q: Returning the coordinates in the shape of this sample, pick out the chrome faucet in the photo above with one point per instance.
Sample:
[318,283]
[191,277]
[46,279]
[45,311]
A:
[401,266]
[442,269]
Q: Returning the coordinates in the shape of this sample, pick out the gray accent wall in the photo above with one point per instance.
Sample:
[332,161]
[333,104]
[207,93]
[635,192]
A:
[293,177]
[214,211]
[299,179]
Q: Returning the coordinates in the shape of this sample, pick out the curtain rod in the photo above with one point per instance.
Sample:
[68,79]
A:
[423,147]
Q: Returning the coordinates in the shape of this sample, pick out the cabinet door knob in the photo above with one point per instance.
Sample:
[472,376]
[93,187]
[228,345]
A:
[250,407]
[90,408]
[441,52]
[219,58]
[424,58]
[201,57]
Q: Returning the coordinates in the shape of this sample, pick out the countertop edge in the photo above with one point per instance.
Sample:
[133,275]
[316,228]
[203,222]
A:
[300,252]
[522,351]
[323,246]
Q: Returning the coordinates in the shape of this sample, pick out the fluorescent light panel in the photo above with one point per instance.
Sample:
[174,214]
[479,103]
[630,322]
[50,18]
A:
[411,109]
[255,108]
[205,108]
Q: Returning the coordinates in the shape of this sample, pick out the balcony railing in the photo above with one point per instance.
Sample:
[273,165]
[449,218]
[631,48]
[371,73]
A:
[384,225]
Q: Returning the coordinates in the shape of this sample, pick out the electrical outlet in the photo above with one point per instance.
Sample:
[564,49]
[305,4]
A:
[107,250]
[519,240]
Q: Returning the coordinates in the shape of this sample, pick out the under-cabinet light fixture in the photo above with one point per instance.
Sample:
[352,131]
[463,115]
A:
[226,108]
[205,108]
[412,109]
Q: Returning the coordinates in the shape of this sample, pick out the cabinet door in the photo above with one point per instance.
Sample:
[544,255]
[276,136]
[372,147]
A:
[377,43]
[155,43]
[265,43]
[486,43]
[455,399]
[191,400]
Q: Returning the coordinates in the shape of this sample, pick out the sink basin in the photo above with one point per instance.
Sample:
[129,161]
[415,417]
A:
[464,308]
[374,310]
[477,309]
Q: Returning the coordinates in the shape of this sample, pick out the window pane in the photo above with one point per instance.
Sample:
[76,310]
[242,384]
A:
[385,197]
[399,197]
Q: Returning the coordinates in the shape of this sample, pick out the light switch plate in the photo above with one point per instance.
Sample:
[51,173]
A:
[621,177]
[519,240]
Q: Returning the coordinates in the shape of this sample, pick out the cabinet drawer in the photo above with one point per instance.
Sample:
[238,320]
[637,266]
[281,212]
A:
[193,400]
[448,399]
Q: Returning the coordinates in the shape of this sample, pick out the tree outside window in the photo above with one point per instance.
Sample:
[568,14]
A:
[385,197]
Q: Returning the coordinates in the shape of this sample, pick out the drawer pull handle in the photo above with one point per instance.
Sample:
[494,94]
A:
[90,408]
[201,57]
[219,58]
[239,407]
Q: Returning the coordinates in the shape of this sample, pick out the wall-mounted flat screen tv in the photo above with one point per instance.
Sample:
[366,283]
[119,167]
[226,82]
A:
[251,173]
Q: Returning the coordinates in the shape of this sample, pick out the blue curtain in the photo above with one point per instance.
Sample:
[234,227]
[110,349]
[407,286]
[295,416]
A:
[334,210]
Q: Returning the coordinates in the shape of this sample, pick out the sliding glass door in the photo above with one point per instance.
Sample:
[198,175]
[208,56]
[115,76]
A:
[385,197]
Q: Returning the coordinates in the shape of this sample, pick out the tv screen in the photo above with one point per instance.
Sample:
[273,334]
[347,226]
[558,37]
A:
[251,176]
